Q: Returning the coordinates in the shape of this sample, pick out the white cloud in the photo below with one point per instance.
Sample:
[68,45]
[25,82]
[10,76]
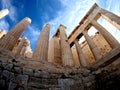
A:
[74,10]
[12,10]
[110,28]
[12,14]
[92,31]
[113,6]
[32,32]
[4,24]
[71,14]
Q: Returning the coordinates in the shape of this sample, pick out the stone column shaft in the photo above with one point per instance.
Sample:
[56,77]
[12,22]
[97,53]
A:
[23,50]
[112,18]
[93,47]
[41,49]
[80,54]
[3,13]
[8,42]
[66,52]
[109,38]
[21,45]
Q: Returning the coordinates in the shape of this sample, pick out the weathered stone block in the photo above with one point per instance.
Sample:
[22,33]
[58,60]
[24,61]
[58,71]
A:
[9,66]
[22,80]
[8,75]
[17,70]
[42,74]
[4,64]
[54,88]
[28,71]
[2,84]
[65,84]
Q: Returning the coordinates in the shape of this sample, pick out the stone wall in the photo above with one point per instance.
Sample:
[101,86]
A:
[15,75]
[15,78]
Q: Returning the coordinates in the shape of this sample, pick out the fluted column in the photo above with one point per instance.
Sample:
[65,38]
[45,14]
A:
[80,54]
[23,51]
[21,45]
[3,13]
[93,47]
[66,52]
[109,38]
[111,17]
[41,49]
[8,42]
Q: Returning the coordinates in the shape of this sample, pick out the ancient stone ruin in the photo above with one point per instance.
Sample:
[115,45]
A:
[62,63]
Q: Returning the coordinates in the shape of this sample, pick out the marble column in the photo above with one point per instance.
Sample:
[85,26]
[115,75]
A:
[23,51]
[111,17]
[3,13]
[80,54]
[22,43]
[41,49]
[66,52]
[109,38]
[2,33]
[26,48]
[93,47]
[8,42]
[54,51]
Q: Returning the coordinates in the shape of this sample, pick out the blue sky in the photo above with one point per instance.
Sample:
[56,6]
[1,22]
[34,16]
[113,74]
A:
[54,12]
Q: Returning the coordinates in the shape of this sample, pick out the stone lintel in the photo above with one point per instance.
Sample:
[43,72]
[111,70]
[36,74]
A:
[93,13]
[111,17]
[84,18]
[88,13]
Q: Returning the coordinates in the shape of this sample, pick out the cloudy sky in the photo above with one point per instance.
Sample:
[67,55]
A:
[54,12]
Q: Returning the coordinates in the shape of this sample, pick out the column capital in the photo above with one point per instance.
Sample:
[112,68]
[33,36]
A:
[62,26]
[76,40]
[46,25]
[27,19]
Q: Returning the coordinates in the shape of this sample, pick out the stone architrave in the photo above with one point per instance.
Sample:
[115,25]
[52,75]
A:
[41,49]
[111,17]
[9,41]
